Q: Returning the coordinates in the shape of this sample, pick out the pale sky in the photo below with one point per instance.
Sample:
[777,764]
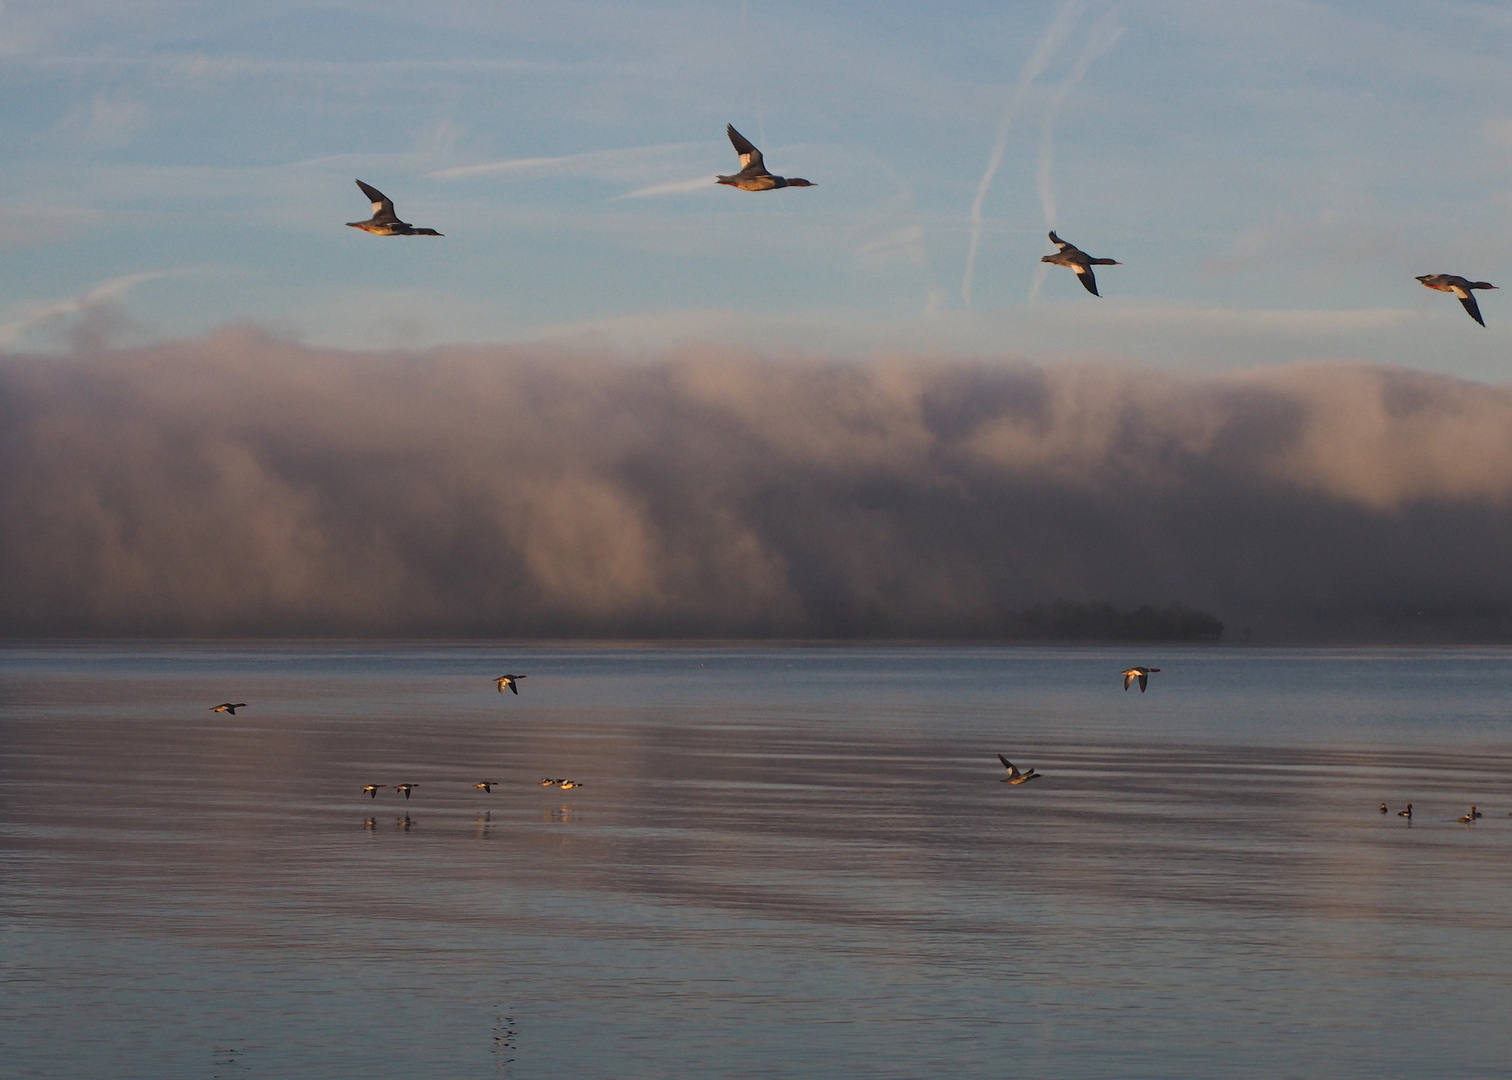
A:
[1273,174]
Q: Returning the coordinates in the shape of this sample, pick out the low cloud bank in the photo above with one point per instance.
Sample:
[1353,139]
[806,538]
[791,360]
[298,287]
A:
[243,486]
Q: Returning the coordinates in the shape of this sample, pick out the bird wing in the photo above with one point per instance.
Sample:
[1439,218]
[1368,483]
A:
[1143,681]
[1057,241]
[1129,677]
[1086,277]
[1467,299]
[1006,763]
[383,207]
[750,157]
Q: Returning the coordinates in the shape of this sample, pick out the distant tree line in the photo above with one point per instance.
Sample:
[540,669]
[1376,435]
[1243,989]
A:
[1066,620]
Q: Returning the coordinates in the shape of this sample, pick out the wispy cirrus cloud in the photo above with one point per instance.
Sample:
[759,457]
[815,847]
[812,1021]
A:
[91,317]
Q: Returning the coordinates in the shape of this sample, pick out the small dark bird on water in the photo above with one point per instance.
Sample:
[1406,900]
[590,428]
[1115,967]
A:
[1383,808]
[371,790]
[1078,260]
[384,221]
[227,706]
[548,781]
[1407,813]
[1460,287]
[1141,673]
[511,681]
[753,175]
[405,789]
[1015,777]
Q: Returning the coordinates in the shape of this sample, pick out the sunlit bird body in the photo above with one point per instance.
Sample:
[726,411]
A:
[405,789]
[568,785]
[384,221]
[1383,808]
[1078,260]
[753,175]
[510,681]
[485,785]
[372,790]
[229,707]
[1460,287]
[551,781]
[1015,777]
[1407,813]
[1141,673]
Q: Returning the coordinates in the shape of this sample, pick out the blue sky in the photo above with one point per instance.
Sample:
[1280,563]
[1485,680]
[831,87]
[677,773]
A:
[1272,174]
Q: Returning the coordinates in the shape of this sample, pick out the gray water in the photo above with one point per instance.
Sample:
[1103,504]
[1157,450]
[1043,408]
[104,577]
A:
[784,862]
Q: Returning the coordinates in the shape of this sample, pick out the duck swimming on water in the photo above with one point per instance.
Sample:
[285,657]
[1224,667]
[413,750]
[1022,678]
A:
[753,175]
[1460,287]
[1407,813]
[384,221]
[1078,260]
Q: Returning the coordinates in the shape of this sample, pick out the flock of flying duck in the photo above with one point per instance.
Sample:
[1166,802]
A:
[754,176]
[1016,776]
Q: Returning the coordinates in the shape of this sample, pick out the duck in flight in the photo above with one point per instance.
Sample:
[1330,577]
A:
[405,788]
[372,790]
[1015,777]
[384,221]
[1460,287]
[568,785]
[753,175]
[550,781]
[230,707]
[485,785]
[1141,673]
[511,681]
[1078,260]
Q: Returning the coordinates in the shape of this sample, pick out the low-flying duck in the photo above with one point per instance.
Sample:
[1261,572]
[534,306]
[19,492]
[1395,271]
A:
[485,785]
[1141,673]
[1460,287]
[753,175]
[227,706]
[1078,260]
[1014,776]
[511,681]
[405,789]
[384,221]
[549,781]
[568,785]
[372,790]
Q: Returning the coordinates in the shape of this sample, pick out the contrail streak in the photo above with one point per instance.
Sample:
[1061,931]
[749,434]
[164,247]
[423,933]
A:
[1065,18]
[1100,39]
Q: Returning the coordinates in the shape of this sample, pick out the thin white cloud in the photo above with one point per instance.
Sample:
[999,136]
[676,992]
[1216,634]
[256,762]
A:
[672,187]
[13,332]
[592,163]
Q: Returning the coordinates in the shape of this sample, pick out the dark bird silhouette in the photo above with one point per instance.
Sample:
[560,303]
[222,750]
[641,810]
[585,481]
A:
[1407,813]
[405,789]
[753,175]
[1078,260]
[485,785]
[511,681]
[227,706]
[1460,287]
[384,221]
[549,781]
[372,790]
[1141,673]
[1383,808]
[1015,777]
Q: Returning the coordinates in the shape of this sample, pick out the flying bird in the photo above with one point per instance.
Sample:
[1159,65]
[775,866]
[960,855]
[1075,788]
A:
[229,707]
[372,790]
[1141,673]
[405,788]
[1460,287]
[485,785]
[753,175]
[1015,777]
[1078,260]
[384,221]
[568,785]
[548,781]
[511,681]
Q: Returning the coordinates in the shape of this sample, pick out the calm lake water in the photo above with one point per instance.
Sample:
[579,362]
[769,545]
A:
[783,862]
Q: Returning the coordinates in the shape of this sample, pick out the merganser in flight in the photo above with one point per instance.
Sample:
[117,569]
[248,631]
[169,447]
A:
[372,790]
[511,681]
[568,785]
[405,788]
[384,221]
[1460,287]
[753,175]
[1015,777]
[1141,673]
[1078,260]
[227,706]
[485,785]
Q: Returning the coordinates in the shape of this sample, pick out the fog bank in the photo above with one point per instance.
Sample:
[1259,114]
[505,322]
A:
[240,485]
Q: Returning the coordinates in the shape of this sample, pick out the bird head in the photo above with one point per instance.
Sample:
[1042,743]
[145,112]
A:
[798,181]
